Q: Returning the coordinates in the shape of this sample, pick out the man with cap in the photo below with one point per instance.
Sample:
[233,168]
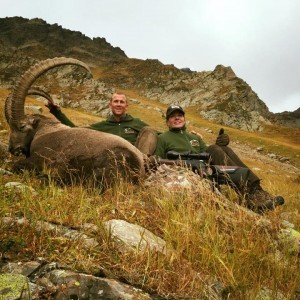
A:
[119,123]
[178,139]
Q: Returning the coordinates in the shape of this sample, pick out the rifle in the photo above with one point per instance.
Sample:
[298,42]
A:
[202,164]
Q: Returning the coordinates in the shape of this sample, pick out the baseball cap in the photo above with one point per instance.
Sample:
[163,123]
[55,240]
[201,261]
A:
[173,108]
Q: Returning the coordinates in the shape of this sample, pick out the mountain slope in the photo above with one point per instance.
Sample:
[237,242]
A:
[218,95]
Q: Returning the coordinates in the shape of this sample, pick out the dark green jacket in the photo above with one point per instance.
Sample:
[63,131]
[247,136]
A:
[128,128]
[179,141]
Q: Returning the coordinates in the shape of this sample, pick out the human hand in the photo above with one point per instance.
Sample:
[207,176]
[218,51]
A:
[222,139]
[52,106]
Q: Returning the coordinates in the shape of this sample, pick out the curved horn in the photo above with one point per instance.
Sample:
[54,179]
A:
[7,108]
[33,91]
[40,92]
[20,91]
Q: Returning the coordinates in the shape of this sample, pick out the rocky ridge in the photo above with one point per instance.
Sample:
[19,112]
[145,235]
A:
[218,95]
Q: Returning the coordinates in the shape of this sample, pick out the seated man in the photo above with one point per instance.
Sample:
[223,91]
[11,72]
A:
[178,139]
[119,123]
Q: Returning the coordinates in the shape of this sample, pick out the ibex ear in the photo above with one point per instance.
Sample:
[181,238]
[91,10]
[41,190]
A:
[33,122]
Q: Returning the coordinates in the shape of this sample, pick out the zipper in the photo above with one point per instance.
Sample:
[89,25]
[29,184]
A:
[188,141]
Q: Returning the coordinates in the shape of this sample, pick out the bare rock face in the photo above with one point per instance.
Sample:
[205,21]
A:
[56,283]
[219,96]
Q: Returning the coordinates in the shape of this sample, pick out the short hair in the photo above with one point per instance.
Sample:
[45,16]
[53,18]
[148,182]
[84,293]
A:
[118,93]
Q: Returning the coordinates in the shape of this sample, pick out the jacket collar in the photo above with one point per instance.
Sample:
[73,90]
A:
[178,129]
[125,118]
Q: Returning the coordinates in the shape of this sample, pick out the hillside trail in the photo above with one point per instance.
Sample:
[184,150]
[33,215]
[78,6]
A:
[245,151]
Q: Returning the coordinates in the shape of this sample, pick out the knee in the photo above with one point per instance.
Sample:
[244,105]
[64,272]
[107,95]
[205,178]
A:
[214,149]
[218,156]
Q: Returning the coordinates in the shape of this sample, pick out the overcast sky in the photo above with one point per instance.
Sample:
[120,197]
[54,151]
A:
[258,39]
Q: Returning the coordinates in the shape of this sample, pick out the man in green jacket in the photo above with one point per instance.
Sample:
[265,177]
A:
[119,123]
[178,139]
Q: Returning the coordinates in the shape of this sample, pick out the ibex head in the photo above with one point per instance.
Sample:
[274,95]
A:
[22,134]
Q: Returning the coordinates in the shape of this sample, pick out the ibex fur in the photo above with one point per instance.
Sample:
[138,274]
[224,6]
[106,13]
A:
[69,153]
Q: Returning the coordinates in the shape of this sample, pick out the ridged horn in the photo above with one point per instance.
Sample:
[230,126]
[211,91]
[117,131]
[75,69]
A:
[7,108]
[20,91]
[32,91]
[36,91]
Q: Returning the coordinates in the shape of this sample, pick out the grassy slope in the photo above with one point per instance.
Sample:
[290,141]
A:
[199,245]
[278,140]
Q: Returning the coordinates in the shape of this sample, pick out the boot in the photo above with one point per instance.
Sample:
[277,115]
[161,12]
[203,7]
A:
[260,200]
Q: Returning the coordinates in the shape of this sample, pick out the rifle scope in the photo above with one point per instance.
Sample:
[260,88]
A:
[188,156]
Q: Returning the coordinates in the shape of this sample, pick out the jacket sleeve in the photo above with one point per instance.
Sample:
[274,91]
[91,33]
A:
[203,146]
[59,115]
[160,150]
[102,126]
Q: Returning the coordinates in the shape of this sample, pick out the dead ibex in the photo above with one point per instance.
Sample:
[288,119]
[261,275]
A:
[69,153]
